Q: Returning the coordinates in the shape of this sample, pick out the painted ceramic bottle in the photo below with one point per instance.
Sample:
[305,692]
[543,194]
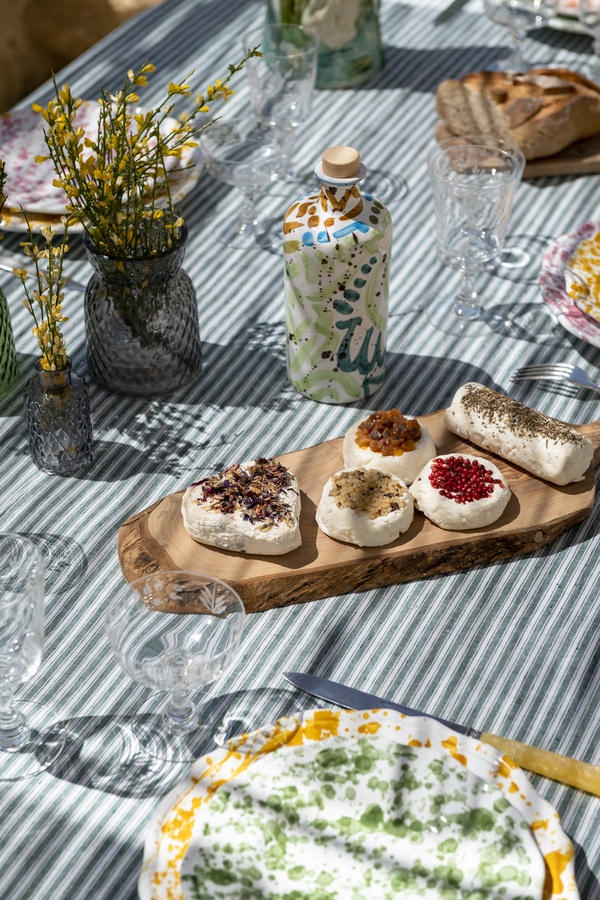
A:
[336,250]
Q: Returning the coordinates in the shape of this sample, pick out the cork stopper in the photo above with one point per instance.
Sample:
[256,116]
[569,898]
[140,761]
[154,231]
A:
[341,162]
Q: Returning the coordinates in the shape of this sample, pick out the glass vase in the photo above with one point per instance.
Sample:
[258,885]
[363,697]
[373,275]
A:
[350,48]
[9,367]
[141,319]
[58,420]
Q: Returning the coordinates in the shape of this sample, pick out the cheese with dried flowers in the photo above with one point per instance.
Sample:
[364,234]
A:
[366,507]
[251,507]
[460,492]
[390,442]
[532,440]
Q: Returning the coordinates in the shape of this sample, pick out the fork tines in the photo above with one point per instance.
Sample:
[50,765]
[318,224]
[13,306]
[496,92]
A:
[550,370]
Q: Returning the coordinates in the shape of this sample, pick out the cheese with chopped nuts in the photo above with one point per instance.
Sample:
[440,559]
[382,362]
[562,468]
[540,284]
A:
[250,507]
[532,440]
[365,507]
[459,492]
[390,442]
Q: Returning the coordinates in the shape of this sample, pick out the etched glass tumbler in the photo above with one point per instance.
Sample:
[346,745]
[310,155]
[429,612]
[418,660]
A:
[28,744]
[178,632]
[473,181]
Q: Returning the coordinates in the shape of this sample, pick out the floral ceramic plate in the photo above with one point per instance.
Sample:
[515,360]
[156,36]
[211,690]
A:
[447,777]
[556,282]
[29,184]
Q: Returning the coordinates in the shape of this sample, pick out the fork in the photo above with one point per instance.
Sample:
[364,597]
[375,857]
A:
[556,372]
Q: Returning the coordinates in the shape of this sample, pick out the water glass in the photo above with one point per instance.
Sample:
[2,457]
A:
[28,743]
[473,180]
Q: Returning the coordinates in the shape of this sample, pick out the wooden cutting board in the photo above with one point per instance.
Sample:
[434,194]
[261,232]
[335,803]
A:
[581,158]
[537,513]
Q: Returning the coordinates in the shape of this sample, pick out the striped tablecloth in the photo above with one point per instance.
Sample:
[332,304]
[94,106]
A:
[512,647]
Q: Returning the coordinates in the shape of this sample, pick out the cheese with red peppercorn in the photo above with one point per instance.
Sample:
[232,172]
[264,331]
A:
[459,493]
[248,508]
[366,507]
[390,442]
[532,440]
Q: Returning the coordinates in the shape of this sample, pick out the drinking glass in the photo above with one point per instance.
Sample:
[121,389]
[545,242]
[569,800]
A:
[28,743]
[282,81]
[519,16]
[176,631]
[589,16]
[473,180]
[251,159]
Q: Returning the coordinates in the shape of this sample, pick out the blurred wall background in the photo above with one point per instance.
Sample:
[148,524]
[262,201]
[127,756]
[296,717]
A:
[38,37]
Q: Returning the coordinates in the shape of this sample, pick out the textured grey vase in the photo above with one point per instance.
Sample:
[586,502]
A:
[58,421]
[141,319]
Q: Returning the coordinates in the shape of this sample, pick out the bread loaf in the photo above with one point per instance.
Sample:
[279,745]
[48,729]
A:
[542,110]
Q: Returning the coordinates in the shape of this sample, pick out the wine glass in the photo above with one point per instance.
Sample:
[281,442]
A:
[473,180]
[241,154]
[176,631]
[282,81]
[519,16]
[28,742]
[589,16]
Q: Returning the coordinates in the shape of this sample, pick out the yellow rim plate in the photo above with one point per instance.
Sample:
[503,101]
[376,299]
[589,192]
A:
[171,828]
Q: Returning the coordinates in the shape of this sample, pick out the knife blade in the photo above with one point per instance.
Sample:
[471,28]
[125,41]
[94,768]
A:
[575,773]
[450,11]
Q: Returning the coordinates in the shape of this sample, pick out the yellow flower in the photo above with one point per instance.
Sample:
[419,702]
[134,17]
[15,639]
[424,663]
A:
[118,175]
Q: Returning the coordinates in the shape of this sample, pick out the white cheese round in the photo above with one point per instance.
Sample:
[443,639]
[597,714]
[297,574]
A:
[445,488]
[406,465]
[365,507]
[251,507]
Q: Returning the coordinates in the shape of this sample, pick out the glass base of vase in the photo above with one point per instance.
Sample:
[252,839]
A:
[42,748]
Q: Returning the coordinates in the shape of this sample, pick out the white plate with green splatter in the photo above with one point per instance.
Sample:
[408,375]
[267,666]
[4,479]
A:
[356,805]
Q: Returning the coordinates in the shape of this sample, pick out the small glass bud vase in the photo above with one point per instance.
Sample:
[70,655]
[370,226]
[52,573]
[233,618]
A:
[58,420]
[9,367]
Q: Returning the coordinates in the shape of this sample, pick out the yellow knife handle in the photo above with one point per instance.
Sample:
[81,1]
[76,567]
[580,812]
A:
[577,774]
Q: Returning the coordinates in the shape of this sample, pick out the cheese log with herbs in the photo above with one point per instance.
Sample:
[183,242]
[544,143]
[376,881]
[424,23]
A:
[365,507]
[544,446]
[542,110]
[460,492]
[248,508]
[390,442]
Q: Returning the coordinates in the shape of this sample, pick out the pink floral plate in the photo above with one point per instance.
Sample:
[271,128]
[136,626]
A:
[554,288]
[29,184]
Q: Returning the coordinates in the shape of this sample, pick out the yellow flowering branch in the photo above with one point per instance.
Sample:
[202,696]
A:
[45,300]
[116,181]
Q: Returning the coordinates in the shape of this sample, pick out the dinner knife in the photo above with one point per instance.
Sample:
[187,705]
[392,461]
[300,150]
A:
[451,10]
[573,772]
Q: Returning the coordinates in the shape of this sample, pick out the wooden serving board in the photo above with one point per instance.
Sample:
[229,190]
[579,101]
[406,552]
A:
[536,514]
[580,158]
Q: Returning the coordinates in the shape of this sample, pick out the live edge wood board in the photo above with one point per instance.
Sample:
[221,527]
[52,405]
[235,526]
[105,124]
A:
[155,539]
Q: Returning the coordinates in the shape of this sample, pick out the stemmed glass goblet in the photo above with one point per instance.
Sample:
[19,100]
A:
[176,631]
[589,16]
[28,742]
[520,16]
[241,154]
[473,180]
[282,81]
